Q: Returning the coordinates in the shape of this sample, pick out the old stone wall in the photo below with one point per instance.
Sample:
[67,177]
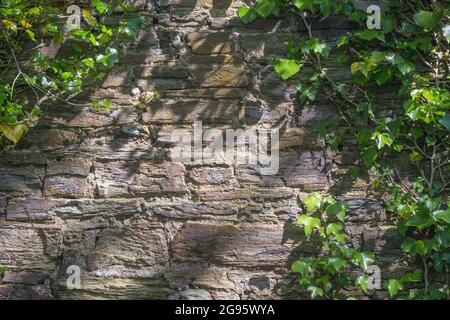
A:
[98,189]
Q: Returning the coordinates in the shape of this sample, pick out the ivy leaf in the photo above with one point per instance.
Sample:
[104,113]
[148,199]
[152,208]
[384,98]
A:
[100,6]
[301,267]
[315,291]
[89,62]
[443,215]
[131,27]
[337,263]
[363,259]
[286,68]
[382,139]
[31,35]
[265,7]
[445,122]
[415,276]
[394,287]
[309,223]
[13,132]
[304,4]
[406,67]
[427,19]
[408,245]
[370,35]
[420,248]
[338,210]
[420,220]
[383,75]
[312,201]
[333,228]
[247,14]
[89,18]
[101,104]
[369,156]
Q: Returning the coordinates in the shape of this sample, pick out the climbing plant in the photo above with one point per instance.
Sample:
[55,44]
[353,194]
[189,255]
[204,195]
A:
[29,77]
[409,52]
[327,274]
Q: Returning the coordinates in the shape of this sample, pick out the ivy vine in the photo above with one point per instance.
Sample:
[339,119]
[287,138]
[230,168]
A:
[411,52]
[29,78]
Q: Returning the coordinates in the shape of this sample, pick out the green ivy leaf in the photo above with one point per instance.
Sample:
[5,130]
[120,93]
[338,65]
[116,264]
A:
[415,276]
[315,292]
[337,263]
[304,4]
[301,267]
[247,14]
[443,215]
[265,7]
[309,223]
[370,35]
[363,259]
[394,287]
[445,121]
[427,19]
[13,132]
[286,68]
[420,220]
[369,156]
[89,62]
[100,6]
[312,201]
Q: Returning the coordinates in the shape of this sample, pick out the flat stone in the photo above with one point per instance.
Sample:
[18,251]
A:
[136,250]
[221,76]
[189,111]
[86,208]
[123,178]
[77,167]
[17,181]
[188,210]
[210,43]
[32,209]
[267,246]
[211,175]
[67,187]
[258,194]
[191,294]
[50,139]
[166,177]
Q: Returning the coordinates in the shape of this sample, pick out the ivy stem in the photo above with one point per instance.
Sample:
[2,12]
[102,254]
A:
[425,274]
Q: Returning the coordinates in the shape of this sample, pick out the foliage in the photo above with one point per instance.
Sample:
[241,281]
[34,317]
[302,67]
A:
[327,274]
[28,77]
[410,52]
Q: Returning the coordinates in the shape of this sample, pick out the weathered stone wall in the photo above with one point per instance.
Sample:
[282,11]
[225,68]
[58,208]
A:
[97,189]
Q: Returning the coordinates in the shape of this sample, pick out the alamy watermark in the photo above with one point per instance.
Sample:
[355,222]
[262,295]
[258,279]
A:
[74,19]
[259,147]
[374,278]
[74,279]
[374,18]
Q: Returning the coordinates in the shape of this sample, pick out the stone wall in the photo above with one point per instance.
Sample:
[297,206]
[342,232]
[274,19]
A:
[97,189]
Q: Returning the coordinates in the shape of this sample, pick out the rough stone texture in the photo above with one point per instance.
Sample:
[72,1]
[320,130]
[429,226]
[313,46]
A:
[97,189]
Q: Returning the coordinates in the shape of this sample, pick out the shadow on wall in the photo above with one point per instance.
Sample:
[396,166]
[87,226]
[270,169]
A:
[200,76]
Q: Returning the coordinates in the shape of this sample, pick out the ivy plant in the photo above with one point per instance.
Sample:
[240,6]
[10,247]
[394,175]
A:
[409,52]
[325,276]
[29,78]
